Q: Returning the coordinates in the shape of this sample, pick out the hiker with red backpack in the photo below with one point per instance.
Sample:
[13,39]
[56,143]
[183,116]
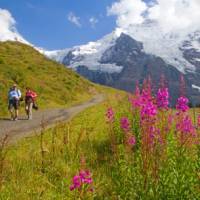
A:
[30,103]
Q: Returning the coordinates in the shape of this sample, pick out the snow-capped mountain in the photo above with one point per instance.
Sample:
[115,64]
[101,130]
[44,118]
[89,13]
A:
[191,49]
[121,58]
[168,46]
[57,55]
[162,44]
[88,55]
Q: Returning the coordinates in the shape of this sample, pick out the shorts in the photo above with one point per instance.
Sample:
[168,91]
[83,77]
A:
[29,100]
[13,104]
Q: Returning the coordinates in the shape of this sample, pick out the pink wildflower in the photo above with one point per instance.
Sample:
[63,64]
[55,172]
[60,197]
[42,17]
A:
[163,98]
[136,102]
[137,90]
[146,96]
[148,110]
[110,115]
[154,135]
[140,99]
[186,132]
[182,104]
[84,177]
[131,140]
[185,126]
[125,124]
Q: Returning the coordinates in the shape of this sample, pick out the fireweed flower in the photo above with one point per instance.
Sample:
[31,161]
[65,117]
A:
[125,124]
[185,126]
[182,104]
[154,135]
[163,98]
[82,178]
[186,132]
[110,115]
[136,102]
[76,182]
[146,96]
[85,176]
[131,140]
[140,100]
[137,90]
[148,110]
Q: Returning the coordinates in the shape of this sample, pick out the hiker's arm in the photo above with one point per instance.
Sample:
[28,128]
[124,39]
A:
[19,94]
[35,95]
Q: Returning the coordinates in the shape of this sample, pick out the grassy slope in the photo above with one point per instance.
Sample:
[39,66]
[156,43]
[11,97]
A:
[56,85]
[64,145]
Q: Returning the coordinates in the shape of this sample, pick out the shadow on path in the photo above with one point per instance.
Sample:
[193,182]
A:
[9,119]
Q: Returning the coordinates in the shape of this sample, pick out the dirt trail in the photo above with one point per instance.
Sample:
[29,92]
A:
[24,127]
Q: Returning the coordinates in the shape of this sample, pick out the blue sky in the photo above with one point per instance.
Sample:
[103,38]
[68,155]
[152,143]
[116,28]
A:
[45,23]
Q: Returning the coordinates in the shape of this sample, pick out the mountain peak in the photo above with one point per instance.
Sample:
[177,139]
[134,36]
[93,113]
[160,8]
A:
[127,40]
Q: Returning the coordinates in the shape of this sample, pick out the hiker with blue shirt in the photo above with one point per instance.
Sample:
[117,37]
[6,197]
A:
[14,96]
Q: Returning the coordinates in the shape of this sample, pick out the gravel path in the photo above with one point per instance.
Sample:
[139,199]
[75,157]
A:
[24,127]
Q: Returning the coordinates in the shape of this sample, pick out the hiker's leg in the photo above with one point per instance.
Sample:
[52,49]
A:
[30,110]
[26,109]
[10,108]
[11,113]
[16,113]
[16,106]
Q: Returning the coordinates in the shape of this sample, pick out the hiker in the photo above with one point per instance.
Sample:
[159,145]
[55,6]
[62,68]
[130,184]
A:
[30,97]
[14,96]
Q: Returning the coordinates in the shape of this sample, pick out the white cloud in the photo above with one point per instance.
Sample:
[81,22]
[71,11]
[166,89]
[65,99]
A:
[74,19]
[176,15]
[8,29]
[7,22]
[128,12]
[93,21]
[170,15]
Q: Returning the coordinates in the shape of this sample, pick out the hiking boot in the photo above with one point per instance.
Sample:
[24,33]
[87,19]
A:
[29,118]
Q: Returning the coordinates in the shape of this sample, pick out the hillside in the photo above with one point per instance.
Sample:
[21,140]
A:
[55,85]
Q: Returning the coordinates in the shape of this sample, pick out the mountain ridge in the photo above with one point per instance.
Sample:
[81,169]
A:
[135,65]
